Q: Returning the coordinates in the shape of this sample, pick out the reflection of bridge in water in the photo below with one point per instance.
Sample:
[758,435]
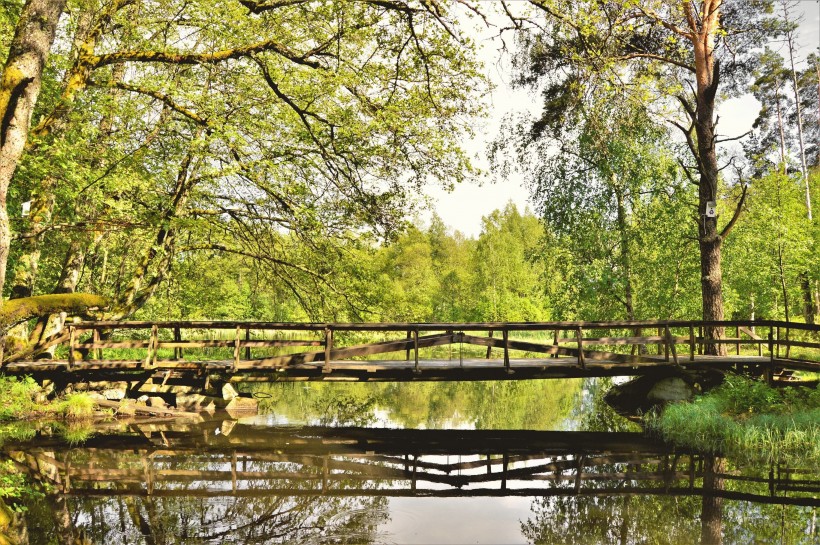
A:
[191,353]
[236,460]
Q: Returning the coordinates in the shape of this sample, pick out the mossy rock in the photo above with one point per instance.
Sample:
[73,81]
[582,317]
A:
[6,517]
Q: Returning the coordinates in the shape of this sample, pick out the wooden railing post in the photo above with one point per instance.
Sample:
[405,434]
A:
[555,343]
[236,348]
[489,346]
[691,343]
[670,342]
[177,339]
[416,350]
[665,334]
[505,336]
[95,337]
[579,335]
[328,348]
[737,334]
[247,347]
[407,354]
[151,356]
[72,340]
[788,338]
[662,348]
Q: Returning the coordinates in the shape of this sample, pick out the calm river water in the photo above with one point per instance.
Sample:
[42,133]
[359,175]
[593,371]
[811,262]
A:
[513,462]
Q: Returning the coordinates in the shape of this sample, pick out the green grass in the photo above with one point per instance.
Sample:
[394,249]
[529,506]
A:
[22,398]
[747,421]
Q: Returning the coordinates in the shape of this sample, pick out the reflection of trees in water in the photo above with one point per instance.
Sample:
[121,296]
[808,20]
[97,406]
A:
[594,414]
[208,513]
[634,518]
[156,520]
[624,519]
[536,404]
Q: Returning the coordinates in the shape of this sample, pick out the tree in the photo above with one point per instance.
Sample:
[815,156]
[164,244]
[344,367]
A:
[672,55]
[276,131]
[507,280]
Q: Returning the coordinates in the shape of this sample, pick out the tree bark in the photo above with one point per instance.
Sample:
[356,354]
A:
[625,255]
[707,74]
[19,90]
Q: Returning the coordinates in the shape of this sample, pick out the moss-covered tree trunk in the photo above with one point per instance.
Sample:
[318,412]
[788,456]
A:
[19,90]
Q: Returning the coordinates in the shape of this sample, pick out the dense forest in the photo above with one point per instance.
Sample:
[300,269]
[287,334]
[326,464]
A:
[267,160]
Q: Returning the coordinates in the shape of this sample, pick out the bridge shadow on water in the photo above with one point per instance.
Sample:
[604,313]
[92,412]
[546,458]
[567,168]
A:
[234,482]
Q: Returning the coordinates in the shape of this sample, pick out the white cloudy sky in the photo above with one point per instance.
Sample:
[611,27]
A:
[463,208]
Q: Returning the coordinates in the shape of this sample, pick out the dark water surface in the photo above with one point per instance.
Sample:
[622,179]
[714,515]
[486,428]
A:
[534,462]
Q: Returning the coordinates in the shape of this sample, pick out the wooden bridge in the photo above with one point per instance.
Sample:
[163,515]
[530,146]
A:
[243,461]
[185,352]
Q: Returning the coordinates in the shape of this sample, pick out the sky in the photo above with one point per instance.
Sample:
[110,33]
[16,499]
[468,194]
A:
[463,208]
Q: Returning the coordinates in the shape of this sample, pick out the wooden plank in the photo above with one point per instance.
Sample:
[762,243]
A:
[526,346]
[623,340]
[113,344]
[350,351]
[146,409]
[801,344]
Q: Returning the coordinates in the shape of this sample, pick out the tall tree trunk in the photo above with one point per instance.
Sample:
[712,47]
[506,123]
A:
[804,169]
[707,74]
[626,257]
[19,90]
[780,128]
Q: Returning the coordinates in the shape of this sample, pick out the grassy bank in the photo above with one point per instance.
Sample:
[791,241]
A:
[23,399]
[748,421]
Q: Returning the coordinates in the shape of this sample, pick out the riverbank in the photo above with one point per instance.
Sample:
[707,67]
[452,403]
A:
[747,420]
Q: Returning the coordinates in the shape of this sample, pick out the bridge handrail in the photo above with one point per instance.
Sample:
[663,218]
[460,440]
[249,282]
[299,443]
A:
[434,326]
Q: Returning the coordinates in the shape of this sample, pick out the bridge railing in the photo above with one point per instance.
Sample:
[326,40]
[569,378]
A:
[260,345]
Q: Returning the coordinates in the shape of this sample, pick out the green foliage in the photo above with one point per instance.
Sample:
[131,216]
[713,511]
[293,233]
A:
[15,486]
[18,397]
[747,421]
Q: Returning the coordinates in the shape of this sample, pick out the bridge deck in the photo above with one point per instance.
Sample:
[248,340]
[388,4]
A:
[403,370]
